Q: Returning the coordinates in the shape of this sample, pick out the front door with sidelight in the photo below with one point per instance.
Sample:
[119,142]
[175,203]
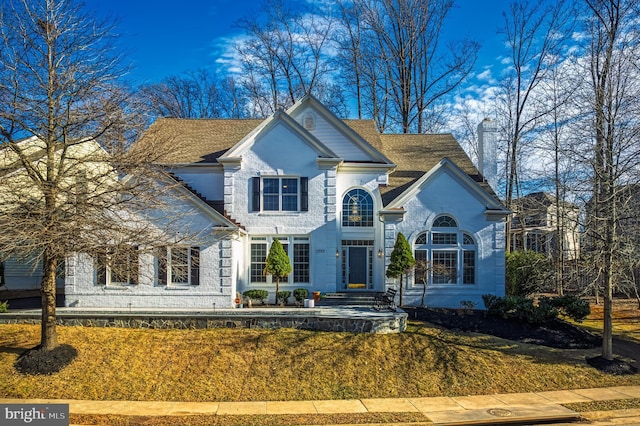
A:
[357,267]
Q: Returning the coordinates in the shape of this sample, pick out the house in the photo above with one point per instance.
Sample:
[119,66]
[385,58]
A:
[334,192]
[543,224]
[21,269]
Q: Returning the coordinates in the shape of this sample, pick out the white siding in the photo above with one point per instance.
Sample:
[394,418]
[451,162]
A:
[206,180]
[333,138]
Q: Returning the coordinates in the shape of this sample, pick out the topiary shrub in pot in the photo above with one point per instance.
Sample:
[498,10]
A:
[283,297]
[300,294]
[258,295]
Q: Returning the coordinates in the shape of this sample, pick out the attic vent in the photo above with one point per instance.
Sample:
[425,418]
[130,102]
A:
[309,122]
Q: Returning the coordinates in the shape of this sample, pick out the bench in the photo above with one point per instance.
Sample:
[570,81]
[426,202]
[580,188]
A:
[386,300]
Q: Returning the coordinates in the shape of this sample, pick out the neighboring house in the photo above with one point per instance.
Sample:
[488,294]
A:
[625,207]
[18,276]
[334,192]
[540,223]
[21,275]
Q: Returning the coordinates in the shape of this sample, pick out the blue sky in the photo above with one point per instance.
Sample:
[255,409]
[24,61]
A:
[165,38]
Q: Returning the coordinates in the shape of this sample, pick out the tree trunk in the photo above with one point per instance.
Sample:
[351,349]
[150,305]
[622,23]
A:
[49,334]
[607,327]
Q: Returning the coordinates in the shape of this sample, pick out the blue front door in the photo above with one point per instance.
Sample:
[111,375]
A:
[357,268]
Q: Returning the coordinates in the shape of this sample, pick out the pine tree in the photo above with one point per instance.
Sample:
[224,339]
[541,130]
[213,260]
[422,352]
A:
[402,260]
[278,264]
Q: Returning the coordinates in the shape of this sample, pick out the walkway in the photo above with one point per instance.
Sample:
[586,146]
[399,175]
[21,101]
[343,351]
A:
[477,410]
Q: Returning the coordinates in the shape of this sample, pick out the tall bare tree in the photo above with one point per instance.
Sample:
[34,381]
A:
[611,30]
[65,131]
[196,94]
[283,56]
[535,34]
[417,70]
[350,41]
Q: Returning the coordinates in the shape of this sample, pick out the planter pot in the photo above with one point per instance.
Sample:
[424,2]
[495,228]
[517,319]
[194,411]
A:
[316,296]
[309,303]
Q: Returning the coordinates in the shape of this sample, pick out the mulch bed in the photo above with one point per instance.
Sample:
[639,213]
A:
[37,361]
[556,334]
[615,366]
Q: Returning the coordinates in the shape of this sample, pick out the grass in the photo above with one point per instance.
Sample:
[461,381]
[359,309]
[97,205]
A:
[608,405]
[626,319]
[254,420]
[253,365]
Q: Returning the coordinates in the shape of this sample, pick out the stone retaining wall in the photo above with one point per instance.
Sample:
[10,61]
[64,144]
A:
[381,324]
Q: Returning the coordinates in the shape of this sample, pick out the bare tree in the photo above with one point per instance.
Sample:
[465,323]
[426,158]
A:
[66,128]
[417,70]
[197,94]
[283,56]
[351,41]
[423,270]
[535,34]
[611,31]
[558,166]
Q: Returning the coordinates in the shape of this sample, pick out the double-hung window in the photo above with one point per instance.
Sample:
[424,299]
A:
[280,194]
[179,265]
[298,251]
[117,266]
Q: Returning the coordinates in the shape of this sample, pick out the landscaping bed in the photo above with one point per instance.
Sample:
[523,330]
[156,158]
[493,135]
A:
[556,334]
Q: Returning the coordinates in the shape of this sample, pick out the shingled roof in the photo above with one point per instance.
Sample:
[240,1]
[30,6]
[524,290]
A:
[416,154]
[194,141]
[202,141]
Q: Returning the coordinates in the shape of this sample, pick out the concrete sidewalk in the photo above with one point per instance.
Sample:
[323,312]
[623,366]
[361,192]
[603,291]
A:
[481,409]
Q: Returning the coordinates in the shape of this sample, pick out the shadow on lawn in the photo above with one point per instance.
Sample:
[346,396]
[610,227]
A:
[12,350]
[556,334]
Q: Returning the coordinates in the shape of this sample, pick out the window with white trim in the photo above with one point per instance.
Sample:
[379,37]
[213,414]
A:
[117,266]
[298,250]
[280,194]
[445,255]
[357,208]
[179,265]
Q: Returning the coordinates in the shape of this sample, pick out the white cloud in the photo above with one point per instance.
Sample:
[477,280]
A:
[485,75]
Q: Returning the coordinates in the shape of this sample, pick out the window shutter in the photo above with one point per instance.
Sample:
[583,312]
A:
[133,273]
[255,200]
[304,194]
[195,265]
[101,267]
[162,266]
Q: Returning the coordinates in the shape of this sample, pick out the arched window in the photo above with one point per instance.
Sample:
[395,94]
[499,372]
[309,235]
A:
[445,255]
[445,222]
[357,208]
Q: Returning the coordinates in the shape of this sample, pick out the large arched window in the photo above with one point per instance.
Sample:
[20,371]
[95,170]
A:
[357,208]
[445,255]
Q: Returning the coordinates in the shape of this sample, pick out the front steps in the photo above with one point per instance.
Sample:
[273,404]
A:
[361,298]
